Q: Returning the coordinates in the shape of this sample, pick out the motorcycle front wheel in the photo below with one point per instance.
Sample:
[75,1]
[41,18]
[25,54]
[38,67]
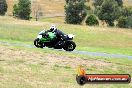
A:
[69,46]
[37,44]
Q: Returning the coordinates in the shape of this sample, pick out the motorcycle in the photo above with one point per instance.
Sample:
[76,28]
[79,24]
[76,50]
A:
[50,40]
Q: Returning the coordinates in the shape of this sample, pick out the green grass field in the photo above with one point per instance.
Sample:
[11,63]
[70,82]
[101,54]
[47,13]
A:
[22,67]
[94,39]
[25,67]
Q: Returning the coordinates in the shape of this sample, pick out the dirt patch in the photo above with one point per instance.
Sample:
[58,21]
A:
[50,59]
[26,67]
[74,62]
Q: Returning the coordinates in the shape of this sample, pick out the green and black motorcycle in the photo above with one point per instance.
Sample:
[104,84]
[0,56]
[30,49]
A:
[50,40]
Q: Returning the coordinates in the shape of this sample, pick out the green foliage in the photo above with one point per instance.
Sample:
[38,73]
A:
[15,10]
[75,11]
[125,21]
[120,2]
[3,7]
[122,22]
[129,22]
[22,10]
[92,20]
[109,11]
[126,11]
[97,2]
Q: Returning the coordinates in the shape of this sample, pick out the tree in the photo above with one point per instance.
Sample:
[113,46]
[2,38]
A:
[97,3]
[125,21]
[92,20]
[109,11]
[120,2]
[15,10]
[122,22]
[22,10]
[126,11]
[3,7]
[75,11]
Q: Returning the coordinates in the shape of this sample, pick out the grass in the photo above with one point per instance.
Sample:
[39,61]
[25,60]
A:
[22,67]
[30,68]
[94,39]
[113,50]
[57,20]
[43,68]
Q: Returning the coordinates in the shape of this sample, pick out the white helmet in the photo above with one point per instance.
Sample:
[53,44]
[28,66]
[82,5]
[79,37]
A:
[53,28]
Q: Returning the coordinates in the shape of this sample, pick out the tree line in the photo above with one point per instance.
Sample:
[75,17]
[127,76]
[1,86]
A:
[21,10]
[112,12]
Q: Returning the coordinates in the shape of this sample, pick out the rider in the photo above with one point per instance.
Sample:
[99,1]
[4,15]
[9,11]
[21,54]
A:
[59,34]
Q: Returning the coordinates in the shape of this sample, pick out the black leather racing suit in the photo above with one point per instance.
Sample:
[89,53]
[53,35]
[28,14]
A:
[60,36]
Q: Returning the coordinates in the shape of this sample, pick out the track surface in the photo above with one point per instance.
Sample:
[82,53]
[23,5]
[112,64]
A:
[75,51]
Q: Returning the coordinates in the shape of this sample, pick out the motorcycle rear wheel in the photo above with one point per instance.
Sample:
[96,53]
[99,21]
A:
[69,46]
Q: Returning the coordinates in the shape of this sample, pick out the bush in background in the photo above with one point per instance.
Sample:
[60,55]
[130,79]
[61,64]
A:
[92,20]
[75,11]
[125,22]
[22,10]
[3,7]
[109,11]
[126,11]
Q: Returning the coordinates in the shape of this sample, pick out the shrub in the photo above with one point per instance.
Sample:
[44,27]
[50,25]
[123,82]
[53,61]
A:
[22,10]
[92,20]
[120,2]
[126,11]
[75,11]
[109,11]
[97,3]
[125,22]
[3,7]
